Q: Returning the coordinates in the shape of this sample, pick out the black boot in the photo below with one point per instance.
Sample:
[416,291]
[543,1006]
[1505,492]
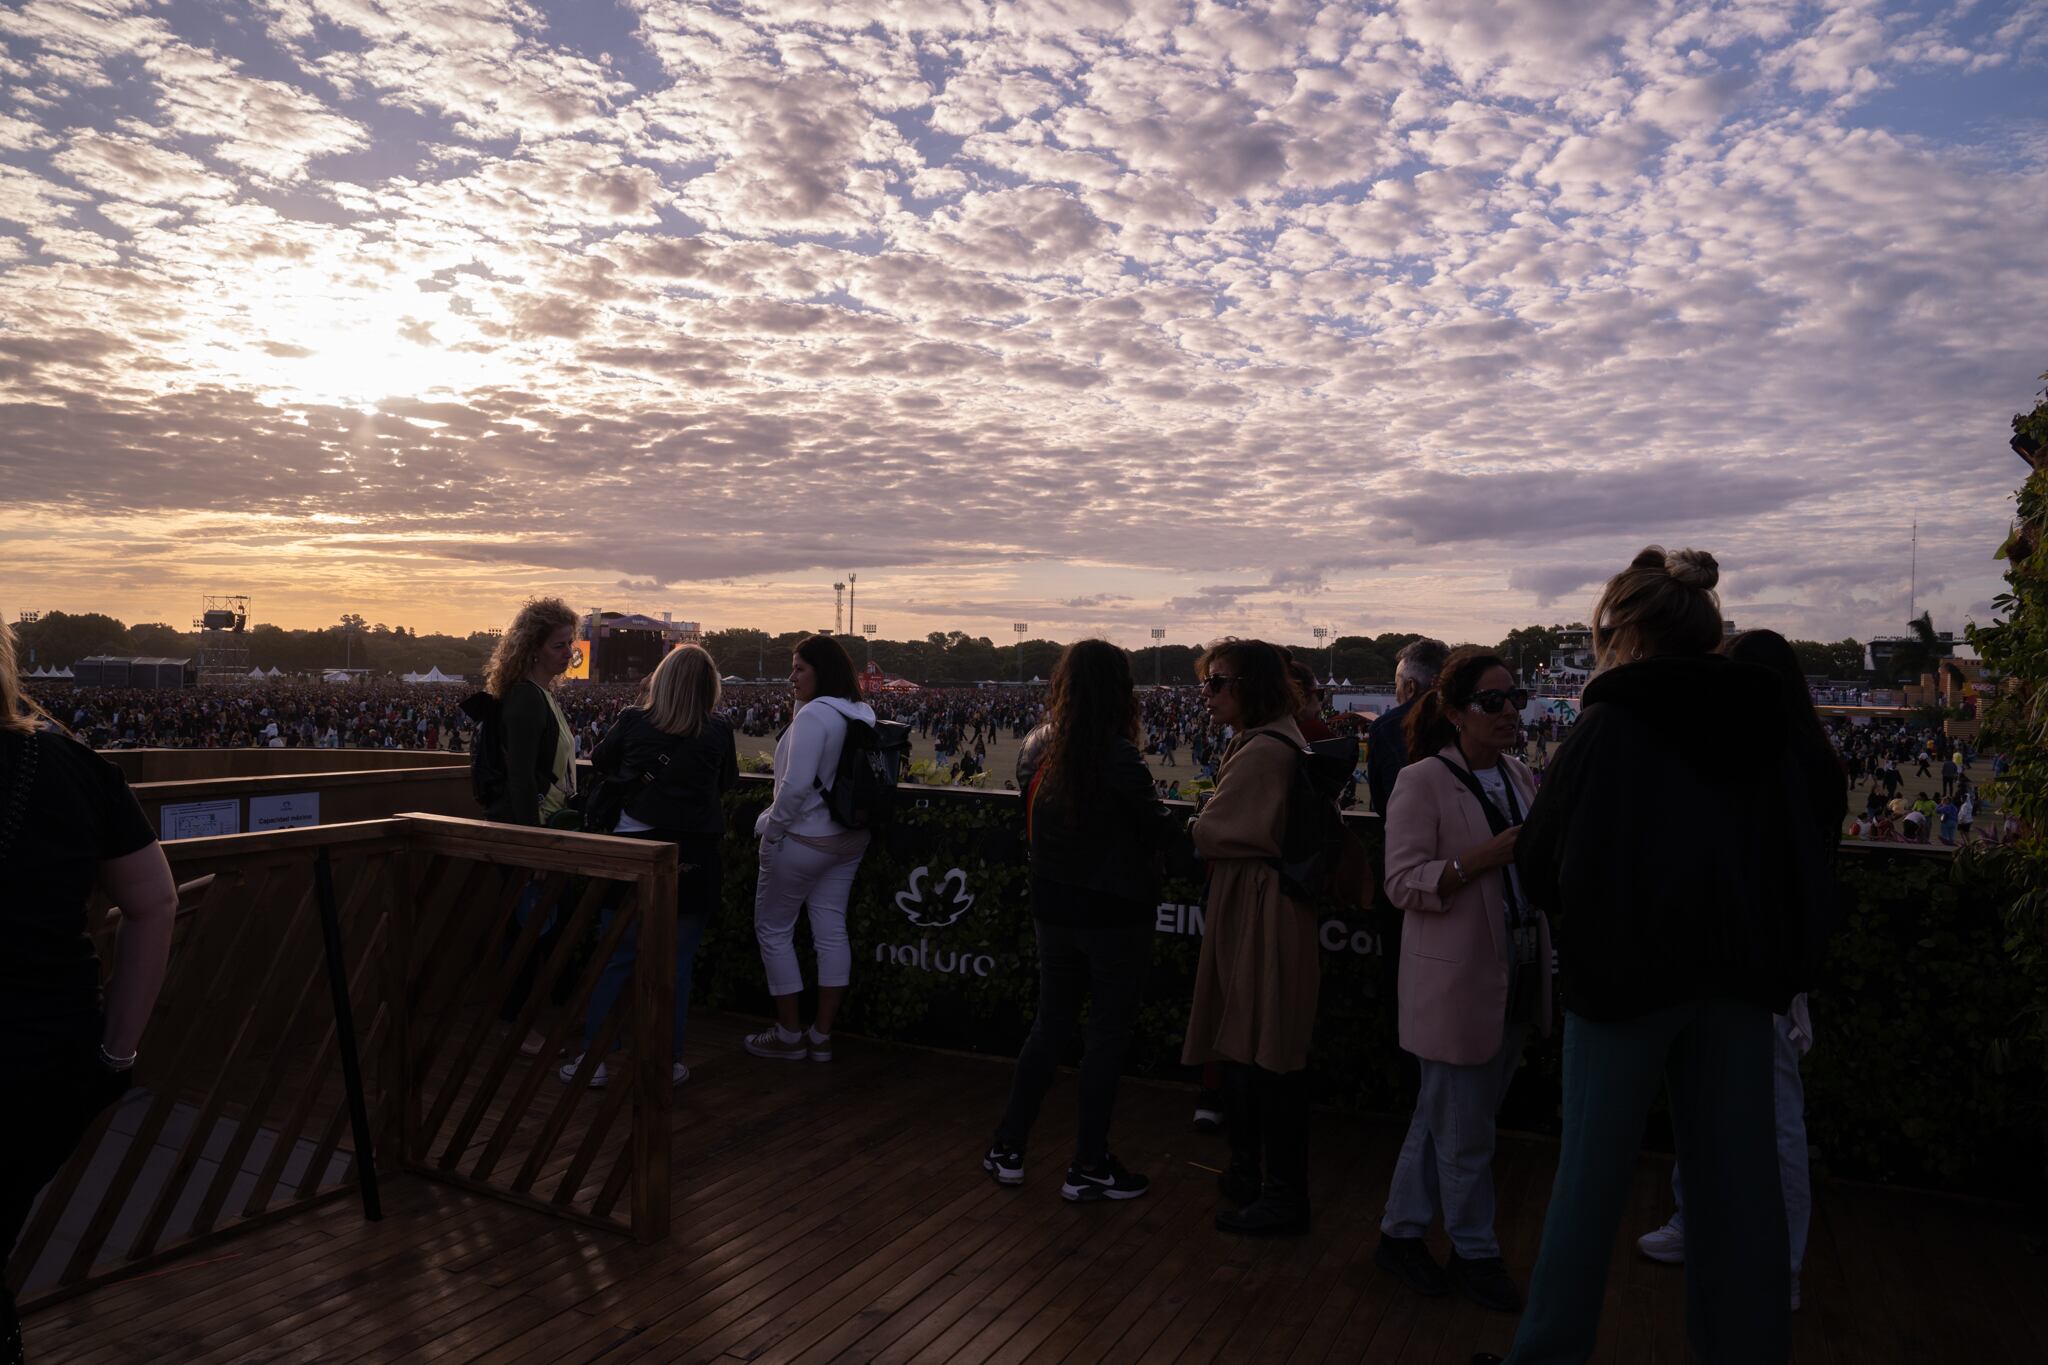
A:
[1240,1182]
[1282,1206]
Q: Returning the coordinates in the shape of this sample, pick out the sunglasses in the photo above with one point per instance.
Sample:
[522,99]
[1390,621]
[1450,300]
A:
[1216,682]
[1493,699]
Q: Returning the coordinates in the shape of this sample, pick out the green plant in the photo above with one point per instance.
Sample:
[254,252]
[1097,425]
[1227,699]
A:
[2015,648]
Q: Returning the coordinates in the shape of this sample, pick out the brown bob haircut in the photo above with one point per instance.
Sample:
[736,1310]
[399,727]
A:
[1266,691]
[833,665]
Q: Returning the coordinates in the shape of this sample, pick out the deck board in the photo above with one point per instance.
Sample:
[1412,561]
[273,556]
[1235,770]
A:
[838,1213]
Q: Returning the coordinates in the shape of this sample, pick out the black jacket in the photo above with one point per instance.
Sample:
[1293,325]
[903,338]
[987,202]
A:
[1679,841]
[1114,851]
[530,741]
[684,796]
[1386,753]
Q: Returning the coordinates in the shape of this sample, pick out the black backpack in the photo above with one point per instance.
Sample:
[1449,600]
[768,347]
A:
[872,761]
[1312,841]
[488,777]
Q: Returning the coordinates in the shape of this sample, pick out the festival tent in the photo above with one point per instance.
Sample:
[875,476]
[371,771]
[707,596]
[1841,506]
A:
[338,675]
[275,672]
[732,678]
[258,673]
[432,675]
[900,685]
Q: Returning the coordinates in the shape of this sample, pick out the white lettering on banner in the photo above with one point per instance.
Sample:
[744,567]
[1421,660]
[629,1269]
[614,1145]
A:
[1334,934]
[945,961]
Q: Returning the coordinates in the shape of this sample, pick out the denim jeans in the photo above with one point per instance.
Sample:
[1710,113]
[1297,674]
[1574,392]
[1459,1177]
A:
[1106,968]
[1789,1107]
[697,895]
[1716,1057]
[1446,1164]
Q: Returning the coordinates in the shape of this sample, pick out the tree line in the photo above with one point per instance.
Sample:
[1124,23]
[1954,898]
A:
[58,639]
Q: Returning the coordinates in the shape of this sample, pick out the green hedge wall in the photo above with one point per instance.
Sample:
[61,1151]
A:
[1909,1082]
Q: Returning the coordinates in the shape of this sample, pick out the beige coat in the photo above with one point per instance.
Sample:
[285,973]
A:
[1256,983]
[1454,949]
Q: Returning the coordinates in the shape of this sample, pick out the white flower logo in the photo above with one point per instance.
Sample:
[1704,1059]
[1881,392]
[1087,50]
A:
[948,902]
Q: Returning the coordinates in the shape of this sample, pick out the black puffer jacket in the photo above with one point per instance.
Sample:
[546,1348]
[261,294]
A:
[1112,849]
[684,796]
[1680,843]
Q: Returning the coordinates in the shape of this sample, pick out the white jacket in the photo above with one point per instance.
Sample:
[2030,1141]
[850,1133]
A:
[806,762]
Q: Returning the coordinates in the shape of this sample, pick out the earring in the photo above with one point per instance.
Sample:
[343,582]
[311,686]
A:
[1637,655]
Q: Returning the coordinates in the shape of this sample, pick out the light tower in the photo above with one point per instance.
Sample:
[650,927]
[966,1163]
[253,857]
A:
[838,604]
[1020,627]
[1158,634]
[852,599]
[869,631]
[223,646]
[1330,669]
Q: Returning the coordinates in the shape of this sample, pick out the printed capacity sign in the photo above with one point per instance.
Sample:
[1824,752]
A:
[283,812]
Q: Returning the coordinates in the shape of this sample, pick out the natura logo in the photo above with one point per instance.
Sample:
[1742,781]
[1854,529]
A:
[946,902]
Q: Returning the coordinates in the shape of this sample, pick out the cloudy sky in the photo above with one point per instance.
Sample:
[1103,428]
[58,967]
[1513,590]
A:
[1095,314]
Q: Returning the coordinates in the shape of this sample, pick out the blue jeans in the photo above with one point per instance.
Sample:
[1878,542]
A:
[1716,1057]
[697,895]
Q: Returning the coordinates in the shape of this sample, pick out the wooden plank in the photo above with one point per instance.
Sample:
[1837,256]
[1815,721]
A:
[654,990]
[167,1083]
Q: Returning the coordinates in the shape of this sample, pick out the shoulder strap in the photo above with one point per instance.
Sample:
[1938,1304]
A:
[1495,821]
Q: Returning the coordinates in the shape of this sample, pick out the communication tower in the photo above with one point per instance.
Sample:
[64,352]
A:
[223,642]
[838,607]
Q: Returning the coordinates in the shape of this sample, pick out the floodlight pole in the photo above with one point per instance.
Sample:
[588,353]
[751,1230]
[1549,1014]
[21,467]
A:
[1157,650]
[1020,627]
[869,631]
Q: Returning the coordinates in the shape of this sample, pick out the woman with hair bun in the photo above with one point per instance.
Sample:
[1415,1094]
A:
[1678,938]
[1256,982]
[1475,969]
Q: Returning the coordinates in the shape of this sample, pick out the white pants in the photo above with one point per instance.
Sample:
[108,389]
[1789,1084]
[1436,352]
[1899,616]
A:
[794,877]
[1446,1163]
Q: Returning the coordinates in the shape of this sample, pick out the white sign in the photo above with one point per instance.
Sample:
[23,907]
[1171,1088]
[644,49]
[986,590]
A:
[283,812]
[200,819]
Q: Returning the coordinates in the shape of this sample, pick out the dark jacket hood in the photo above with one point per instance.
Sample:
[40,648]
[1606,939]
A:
[1715,713]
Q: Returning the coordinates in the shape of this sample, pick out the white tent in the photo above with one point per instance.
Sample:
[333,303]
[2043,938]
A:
[257,673]
[275,672]
[64,672]
[432,675]
[339,676]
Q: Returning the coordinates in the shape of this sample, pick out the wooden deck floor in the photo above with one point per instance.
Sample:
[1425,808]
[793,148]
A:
[839,1213]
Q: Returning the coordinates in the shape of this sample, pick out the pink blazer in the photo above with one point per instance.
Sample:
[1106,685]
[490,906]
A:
[1454,953]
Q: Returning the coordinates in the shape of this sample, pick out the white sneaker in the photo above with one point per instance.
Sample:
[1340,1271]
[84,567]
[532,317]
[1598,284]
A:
[597,1077]
[1666,1244]
[677,1074]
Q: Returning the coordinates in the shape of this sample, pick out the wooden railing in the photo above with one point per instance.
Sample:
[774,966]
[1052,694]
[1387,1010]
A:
[242,1112]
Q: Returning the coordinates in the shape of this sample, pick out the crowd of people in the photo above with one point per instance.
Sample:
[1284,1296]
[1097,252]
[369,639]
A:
[1672,950]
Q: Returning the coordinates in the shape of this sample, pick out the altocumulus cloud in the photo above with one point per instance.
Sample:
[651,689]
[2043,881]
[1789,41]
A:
[1098,315]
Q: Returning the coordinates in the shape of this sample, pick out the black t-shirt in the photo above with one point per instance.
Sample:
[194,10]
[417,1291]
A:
[78,814]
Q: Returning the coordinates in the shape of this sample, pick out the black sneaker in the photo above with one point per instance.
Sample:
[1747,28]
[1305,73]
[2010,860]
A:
[1409,1259]
[1484,1281]
[1004,1163]
[1108,1181]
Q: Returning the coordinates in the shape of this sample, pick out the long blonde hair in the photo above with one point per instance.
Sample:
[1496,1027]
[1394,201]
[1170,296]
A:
[1666,603]
[18,711]
[682,690]
[521,643]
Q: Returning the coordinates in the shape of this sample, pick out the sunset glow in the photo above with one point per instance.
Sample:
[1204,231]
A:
[1099,314]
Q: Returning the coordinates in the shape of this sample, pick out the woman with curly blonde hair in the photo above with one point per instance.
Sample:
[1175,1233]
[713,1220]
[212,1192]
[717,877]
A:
[540,749]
